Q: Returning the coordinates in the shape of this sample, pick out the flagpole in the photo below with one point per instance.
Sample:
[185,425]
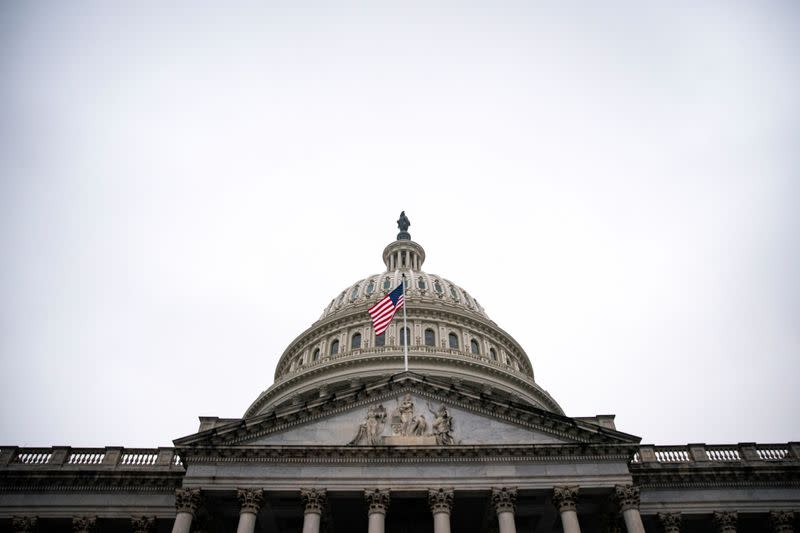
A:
[405,328]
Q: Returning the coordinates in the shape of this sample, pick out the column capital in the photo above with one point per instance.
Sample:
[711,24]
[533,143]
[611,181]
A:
[378,500]
[84,524]
[626,496]
[671,522]
[725,521]
[504,499]
[24,524]
[566,498]
[781,521]
[187,500]
[143,524]
[250,500]
[440,500]
[314,500]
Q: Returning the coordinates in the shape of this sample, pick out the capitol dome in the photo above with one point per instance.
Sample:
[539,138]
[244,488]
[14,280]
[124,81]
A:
[451,340]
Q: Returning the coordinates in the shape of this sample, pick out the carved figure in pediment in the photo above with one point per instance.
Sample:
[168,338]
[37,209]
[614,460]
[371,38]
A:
[404,422]
[370,430]
[419,427]
[442,425]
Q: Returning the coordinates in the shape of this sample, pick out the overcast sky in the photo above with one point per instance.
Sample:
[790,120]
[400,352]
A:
[184,188]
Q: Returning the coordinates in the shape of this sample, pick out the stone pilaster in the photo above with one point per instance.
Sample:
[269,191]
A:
[504,500]
[781,521]
[627,498]
[314,502]
[725,521]
[566,501]
[670,522]
[250,502]
[143,524]
[24,524]
[84,524]
[378,501]
[441,503]
[186,503]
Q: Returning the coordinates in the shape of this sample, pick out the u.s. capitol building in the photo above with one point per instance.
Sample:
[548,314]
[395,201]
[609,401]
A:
[345,440]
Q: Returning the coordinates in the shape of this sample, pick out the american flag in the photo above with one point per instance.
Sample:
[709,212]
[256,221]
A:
[383,311]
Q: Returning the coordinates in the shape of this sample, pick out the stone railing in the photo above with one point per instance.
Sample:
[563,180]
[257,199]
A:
[744,452]
[89,458]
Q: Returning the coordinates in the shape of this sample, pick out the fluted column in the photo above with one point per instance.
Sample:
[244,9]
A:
[378,501]
[725,521]
[566,501]
[441,502]
[24,524]
[627,497]
[186,503]
[143,524]
[84,524]
[670,522]
[314,501]
[504,500]
[250,501]
[781,521]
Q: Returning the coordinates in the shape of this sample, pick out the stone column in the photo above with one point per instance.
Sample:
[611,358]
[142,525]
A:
[314,501]
[24,524]
[566,501]
[725,521]
[186,502]
[671,522]
[250,501]
[504,500]
[441,502]
[627,497]
[378,501]
[781,521]
[143,524]
[84,524]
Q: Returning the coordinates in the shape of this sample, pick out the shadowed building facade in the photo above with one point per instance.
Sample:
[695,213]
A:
[345,440]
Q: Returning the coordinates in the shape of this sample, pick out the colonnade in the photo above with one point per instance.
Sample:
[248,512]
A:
[440,501]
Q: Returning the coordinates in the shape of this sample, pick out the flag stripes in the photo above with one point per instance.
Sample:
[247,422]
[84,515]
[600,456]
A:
[383,312]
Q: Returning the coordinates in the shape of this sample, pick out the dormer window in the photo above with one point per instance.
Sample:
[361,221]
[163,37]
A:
[370,287]
[354,294]
[438,287]
[421,285]
[387,284]
[453,293]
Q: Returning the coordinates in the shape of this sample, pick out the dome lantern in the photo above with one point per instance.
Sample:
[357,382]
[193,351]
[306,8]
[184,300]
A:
[403,254]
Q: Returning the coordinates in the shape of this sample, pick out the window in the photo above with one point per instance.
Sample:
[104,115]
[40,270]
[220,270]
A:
[453,339]
[334,347]
[387,284]
[438,287]
[315,357]
[453,293]
[354,294]
[474,347]
[493,354]
[355,341]
[339,300]
[404,337]
[380,340]
[430,337]
[421,285]
[370,287]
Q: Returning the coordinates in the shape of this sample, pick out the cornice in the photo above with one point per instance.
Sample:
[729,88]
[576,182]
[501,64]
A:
[147,482]
[326,455]
[729,475]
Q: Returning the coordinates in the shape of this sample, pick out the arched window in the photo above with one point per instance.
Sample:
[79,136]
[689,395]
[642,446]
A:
[493,354]
[404,337]
[453,340]
[370,287]
[387,284]
[430,337]
[315,357]
[380,340]
[508,360]
[339,300]
[355,341]
[334,347]
[354,294]
[421,285]
[474,347]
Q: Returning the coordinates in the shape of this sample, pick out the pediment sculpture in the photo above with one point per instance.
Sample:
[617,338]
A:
[407,426]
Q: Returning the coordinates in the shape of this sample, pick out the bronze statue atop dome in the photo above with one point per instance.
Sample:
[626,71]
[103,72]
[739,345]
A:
[403,223]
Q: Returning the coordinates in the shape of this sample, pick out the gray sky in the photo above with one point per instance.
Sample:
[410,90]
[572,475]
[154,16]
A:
[183,189]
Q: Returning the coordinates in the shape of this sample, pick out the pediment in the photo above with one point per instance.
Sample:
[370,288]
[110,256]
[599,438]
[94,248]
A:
[407,411]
